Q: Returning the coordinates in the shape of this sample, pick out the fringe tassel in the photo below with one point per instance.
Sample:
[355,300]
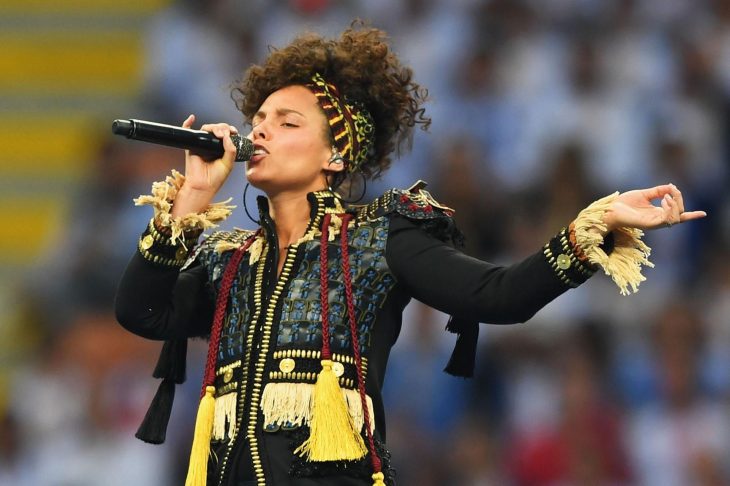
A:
[378,479]
[333,436]
[224,246]
[463,357]
[198,469]
[624,263]
[225,413]
[283,403]
[153,429]
[335,227]
[162,197]
[171,369]
[354,407]
[254,251]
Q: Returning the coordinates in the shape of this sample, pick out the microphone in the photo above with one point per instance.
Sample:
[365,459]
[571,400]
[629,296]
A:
[199,142]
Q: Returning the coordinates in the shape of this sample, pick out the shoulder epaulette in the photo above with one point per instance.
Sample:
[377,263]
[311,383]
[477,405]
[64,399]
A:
[414,202]
[219,242]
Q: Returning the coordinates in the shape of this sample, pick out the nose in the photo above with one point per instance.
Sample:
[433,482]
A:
[259,132]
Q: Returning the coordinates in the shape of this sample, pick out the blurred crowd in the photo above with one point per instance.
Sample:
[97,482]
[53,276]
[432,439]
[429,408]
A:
[539,107]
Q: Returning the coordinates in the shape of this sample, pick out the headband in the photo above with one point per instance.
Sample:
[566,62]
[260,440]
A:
[350,122]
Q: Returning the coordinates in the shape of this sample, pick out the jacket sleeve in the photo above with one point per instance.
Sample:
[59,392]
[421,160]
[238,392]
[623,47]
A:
[440,276]
[159,302]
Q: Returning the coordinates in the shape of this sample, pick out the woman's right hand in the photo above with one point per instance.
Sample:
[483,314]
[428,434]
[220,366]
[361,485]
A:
[203,179]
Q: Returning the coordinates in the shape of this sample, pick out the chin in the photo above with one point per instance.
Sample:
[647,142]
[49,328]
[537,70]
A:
[256,179]
[263,184]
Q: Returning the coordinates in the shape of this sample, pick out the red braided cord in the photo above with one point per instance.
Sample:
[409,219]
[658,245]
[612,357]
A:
[324,287]
[221,306]
[377,466]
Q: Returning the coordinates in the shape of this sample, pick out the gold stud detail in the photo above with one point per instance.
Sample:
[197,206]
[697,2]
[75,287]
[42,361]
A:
[338,368]
[287,365]
[147,242]
[563,261]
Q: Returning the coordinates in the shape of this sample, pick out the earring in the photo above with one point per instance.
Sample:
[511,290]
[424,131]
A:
[336,157]
[245,206]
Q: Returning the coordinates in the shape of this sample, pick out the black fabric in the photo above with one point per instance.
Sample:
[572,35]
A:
[153,429]
[160,303]
[462,360]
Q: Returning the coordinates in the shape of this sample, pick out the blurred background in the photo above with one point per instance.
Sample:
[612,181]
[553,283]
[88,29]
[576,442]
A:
[539,107]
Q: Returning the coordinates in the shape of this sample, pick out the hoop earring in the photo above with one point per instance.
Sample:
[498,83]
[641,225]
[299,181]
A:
[245,206]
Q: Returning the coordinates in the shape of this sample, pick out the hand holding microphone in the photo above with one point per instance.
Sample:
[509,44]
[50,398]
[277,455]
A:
[208,162]
[198,142]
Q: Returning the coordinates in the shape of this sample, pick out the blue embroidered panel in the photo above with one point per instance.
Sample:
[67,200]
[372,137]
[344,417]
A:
[233,334]
[300,322]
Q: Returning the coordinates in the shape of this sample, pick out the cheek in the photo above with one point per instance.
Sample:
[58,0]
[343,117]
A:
[308,151]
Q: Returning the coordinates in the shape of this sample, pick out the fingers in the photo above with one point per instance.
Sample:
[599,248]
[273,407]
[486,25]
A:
[677,196]
[657,191]
[692,215]
[220,130]
[664,190]
[674,210]
[671,211]
[189,121]
[230,149]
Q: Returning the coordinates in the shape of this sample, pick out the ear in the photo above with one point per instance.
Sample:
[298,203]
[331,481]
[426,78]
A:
[334,162]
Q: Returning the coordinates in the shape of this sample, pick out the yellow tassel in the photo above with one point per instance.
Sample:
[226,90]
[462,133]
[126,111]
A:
[378,479]
[198,468]
[333,436]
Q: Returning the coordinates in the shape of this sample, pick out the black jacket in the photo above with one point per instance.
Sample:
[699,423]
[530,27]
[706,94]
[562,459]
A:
[401,247]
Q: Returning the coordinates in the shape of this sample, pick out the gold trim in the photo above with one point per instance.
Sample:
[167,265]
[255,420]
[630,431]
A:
[261,363]
[232,366]
[314,354]
[258,304]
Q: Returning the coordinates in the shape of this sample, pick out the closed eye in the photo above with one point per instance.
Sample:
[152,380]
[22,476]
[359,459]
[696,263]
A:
[291,125]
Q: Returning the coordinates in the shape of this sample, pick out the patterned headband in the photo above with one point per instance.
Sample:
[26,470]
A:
[350,122]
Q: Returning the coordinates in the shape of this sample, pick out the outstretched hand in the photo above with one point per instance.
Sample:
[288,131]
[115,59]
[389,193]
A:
[635,209]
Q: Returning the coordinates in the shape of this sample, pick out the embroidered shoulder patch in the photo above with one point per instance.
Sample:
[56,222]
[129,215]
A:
[220,241]
[414,202]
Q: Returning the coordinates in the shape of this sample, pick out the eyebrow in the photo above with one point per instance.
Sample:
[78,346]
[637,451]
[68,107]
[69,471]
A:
[279,111]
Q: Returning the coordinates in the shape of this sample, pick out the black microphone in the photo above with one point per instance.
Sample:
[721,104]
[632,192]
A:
[199,142]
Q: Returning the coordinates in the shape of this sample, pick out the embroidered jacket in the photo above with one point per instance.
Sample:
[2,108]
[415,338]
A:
[400,247]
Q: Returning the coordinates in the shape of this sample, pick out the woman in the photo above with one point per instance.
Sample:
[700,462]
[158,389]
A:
[301,314]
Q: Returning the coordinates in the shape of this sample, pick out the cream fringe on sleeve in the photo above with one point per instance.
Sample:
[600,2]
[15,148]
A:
[161,199]
[623,265]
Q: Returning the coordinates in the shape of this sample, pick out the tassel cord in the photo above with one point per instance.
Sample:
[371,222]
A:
[333,435]
[198,467]
[324,288]
[221,306]
[377,465]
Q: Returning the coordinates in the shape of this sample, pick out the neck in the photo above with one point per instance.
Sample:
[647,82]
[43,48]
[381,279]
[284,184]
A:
[291,215]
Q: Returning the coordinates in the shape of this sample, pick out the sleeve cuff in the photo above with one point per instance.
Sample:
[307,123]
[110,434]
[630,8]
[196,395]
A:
[566,260]
[621,254]
[162,197]
[156,246]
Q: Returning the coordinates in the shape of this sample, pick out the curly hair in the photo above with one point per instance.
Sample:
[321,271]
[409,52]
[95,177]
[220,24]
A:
[363,68]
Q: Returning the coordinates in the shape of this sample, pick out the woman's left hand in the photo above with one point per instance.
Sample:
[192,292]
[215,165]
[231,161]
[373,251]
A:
[635,209]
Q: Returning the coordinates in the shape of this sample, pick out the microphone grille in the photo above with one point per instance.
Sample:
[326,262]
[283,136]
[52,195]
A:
[244,148]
